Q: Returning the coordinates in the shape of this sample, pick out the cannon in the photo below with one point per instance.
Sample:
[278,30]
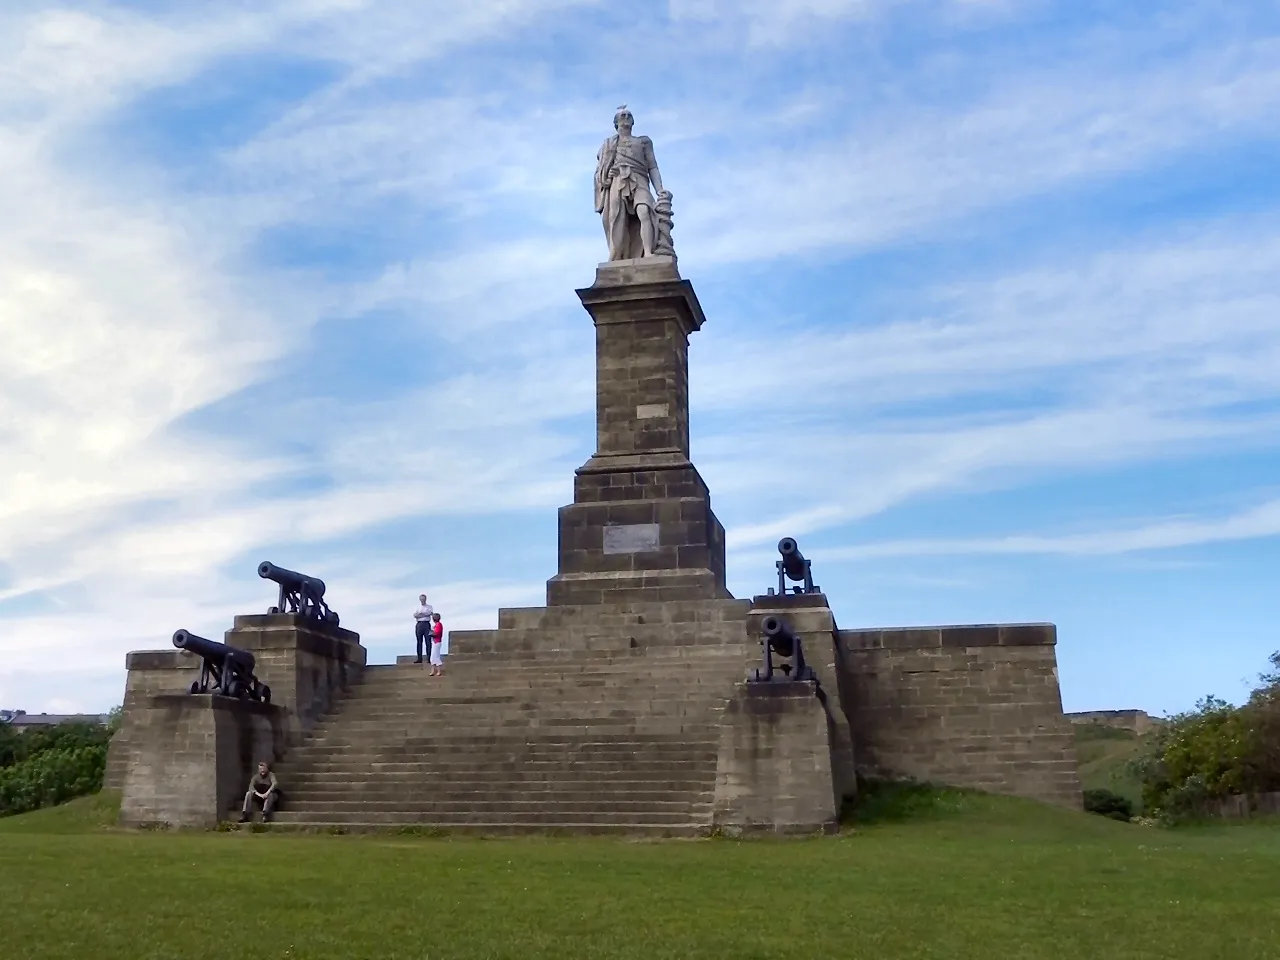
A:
[223,669]
[778,638]
[298,593]
[793,566]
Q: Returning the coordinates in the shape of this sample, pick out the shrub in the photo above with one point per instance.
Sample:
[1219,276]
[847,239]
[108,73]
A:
[18,745]
[52,777]
[1214,751]
[1108,804]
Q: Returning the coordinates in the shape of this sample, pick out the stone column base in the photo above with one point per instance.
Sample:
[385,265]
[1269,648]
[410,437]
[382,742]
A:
[774,768]
[192,756]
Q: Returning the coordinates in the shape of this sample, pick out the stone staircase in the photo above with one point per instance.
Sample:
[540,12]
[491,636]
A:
[528,732]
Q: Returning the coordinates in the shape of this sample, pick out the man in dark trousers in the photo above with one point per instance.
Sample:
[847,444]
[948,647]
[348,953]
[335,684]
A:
[422,625]
[263,789]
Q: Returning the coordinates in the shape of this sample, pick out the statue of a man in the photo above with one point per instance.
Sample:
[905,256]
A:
[625,166]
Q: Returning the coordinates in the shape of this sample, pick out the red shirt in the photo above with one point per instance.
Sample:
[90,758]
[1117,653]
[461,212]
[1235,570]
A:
[437,632]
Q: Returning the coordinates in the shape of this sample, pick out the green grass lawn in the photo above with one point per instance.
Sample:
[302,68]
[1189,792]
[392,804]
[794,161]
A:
[951,876]
[1105,754]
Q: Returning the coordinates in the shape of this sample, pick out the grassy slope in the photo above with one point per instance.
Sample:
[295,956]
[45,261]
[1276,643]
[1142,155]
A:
[952,876]
[1104,754]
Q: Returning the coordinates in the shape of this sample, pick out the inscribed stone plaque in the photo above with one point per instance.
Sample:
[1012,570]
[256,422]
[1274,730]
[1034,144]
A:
[631,538]
[647,411]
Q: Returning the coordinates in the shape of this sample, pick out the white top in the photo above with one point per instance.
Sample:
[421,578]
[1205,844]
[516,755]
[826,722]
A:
[423,612]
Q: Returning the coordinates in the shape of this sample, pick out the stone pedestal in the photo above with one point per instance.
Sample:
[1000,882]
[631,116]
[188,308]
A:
[641,526]
[305,663]
[774,773]
[192,757]
[811,619]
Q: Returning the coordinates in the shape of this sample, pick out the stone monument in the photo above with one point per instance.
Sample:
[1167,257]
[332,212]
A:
[631,702]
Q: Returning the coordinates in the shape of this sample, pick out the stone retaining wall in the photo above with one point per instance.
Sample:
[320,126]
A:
[970,706]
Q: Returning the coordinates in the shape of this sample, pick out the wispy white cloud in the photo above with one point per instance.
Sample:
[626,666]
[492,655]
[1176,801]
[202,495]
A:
[135,311]
[1258,522]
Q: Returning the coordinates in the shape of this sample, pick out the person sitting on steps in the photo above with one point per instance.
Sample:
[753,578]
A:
[437,643]
[422,624]
[265,790]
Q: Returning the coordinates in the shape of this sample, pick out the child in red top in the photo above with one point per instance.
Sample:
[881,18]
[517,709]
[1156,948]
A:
[437,640]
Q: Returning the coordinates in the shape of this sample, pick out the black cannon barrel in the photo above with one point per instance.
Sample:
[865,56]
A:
[779,634]
[792,558]
[291,579]
[212,649]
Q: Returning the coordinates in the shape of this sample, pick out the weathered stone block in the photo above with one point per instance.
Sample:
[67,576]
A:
[192,757]
[773,774]
[971,706]
[810,617]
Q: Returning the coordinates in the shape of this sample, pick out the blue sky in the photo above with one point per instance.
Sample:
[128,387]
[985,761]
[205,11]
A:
[992,287]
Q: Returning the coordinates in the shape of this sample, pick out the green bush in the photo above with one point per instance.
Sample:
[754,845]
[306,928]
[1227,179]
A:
[1214,751]
[20,744]
[1106,803]
[52,777]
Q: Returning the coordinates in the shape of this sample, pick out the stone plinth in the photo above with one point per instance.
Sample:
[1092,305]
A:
[811,619]
[773,774]
[305,663]
[969,706]
[641,526]
[148,672]
[192,757]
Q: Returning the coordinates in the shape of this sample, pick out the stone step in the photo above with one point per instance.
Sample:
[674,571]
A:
[488,759]
[545,818]
[515,721]
[332,765]
[500,809]
[548,665]
[498,685]
[443,705]
[434,742]
[687,776]
[650,641]
[553,662]
[334,788]
[636,828]
[421,739]
[420,673]
[442,720]
[427,744]
[503,685]
[675,765]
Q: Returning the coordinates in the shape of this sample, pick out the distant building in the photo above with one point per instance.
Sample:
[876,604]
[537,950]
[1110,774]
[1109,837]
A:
[1139,721]
[20,718]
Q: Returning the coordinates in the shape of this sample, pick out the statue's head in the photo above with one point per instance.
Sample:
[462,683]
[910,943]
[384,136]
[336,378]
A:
[623,118]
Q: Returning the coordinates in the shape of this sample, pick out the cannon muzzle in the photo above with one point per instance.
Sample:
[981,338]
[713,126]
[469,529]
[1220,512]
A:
[225,669]
[290,579]
[213,650]
[793,566]
[779,639]
[779,635]
[792,559]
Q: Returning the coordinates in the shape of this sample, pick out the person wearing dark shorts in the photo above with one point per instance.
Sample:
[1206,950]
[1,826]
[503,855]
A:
[422,625]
